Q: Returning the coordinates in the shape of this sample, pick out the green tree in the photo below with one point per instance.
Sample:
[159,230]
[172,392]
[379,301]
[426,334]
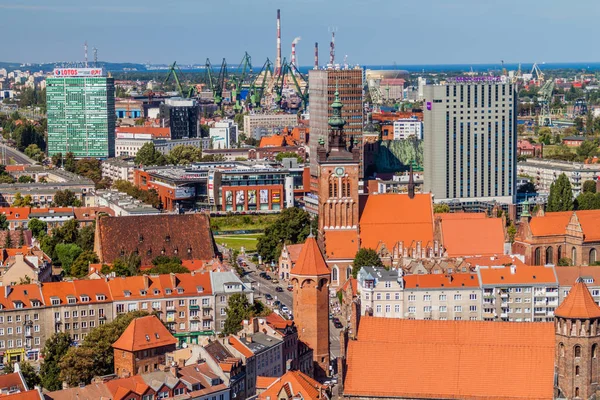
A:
[66,198]
[292,226]
[25,179]
[69,162]
[57,160]
[21,237]
[67,253]
[128,265]
[37,227]
[589,187]
[528,187]
[8,243]
[288,154]
[182,155]
[85,237]
[365,258]
[587,149]
[561,195]
[34,152]
[587,201]
[31,377]
[441,208]
[238,309]
[95,356]
[579,124]
[545,135]
[54,350]
[20,201]
[3,222]
[148,155]
[564,262]
[89,168]
[511,231]
[81,266]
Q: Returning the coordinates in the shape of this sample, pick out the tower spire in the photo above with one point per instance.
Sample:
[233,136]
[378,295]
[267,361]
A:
[336,121]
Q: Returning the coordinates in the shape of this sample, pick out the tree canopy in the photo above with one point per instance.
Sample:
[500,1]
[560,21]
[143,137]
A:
[238,309]
[182,155]
[54,350]
[148,155]
[67,253]
[37,227]
[365,258]
[292,226]
[20,201]
[589,187]
[561,195]
[66,198]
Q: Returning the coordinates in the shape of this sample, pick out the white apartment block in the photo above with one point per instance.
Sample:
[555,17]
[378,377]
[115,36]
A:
[544,172]
[408,127]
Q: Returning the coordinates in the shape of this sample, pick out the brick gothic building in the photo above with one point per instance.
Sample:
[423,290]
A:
[310,278]
[142,347]
[338,173]
[548,237]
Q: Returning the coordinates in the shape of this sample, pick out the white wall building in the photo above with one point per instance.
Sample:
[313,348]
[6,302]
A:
[405,128]
[224,134]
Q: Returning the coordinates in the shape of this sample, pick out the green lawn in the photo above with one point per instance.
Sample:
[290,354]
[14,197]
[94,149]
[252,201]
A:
[240,222]
[237,241]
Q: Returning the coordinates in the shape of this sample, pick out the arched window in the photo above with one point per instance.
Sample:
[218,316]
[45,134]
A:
[577,351]
[537,256]
[561,348]
[592,257]
[549,254]
[577,370]
[559,253]
[576,392]
[348,272]
[594,351]
[573,256]
[334,274]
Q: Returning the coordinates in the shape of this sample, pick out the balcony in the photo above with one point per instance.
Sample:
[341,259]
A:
[504,295]
[504,315]
[504,304]
[170,308]
[205,306]
[540,302]
[207,316]
[550,313]
[540,312]
[540,293]
[551,294]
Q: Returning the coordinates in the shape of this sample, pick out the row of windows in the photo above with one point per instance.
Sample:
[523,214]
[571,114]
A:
[442,297]
[17,330]
[413,309]
[10,344]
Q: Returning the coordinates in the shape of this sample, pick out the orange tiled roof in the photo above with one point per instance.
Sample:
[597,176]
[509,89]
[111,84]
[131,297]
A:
[567,276]
[263,382]
[460,216]
[15,213]
[391,218]
[472,236]
[144,333]
[148,286]
[77,289]
[310,262]
[294,251]
[479,359]
[579,303]
[555,223]
[515,275]
[12,380]
[341,244]
[156,132]
[494,260]
[295,383]
[122,387]
[272,141]
[239,346]
[440,280]
[350,282]
[90,213]
[277,321]
[24,294]
[28,395]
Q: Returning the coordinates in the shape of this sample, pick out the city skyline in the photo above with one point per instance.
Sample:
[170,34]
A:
[374,32]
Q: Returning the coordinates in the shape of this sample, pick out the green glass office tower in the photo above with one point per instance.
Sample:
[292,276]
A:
[81,113]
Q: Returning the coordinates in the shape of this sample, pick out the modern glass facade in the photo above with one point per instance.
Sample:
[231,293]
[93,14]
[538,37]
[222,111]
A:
[81,116]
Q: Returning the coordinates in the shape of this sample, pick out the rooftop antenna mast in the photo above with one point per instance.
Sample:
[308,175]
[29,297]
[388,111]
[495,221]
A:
[95,57]
[332,47]
[85,50]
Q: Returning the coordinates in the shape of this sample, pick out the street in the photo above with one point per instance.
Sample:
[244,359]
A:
[8,153]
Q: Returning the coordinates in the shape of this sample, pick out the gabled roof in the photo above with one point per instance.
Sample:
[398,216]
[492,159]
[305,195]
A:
[311,261]
[479,359]
[341,244]
[272,141]
[451,281]
[472,236]
[391,218]
[12,380]
[295,383]
[239,346]
[524,275]
[15,213]
[144,333]
[568,276]
[578,304]
[294,251]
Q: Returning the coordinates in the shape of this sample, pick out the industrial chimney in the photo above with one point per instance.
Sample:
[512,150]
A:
[316,56]
[278,59]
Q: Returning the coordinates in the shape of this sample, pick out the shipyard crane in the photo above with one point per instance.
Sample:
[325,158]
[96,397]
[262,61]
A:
[303,95]
[256,91]
[538,72]
[545,99]
[277,89]
[238,81]
[216,83]
[173,72]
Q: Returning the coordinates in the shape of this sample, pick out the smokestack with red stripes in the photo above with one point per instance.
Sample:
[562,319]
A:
[316,56]
[278,59]
[294,43]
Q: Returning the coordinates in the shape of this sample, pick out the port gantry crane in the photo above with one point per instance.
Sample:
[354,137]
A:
[173,72]
[303,95]
[216,83]
[545,99]
[237,82]
[256,91]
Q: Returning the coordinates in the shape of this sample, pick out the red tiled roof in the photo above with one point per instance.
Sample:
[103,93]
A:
[122,387]
[555,224]
[90,213]
[144,333]
[579,303]
[156,132]
[391,218]
[567,276]
[457,280]
[263,382]
[350,282]
[294,251]
[15,213]
[526,274]
[460,216]
[12,380]
[310,262]
[472,236]
[149,286]
[272,141]
[451,359]
[239,346]
[28,395]
[341,243]
[491,261]
[295,383]
[24,294]
[277,321]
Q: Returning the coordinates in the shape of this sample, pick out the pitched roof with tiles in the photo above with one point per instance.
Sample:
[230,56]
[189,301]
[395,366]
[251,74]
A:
[121,388]
[240,347]
[311,261]
[460,216]
[96,290]
[12,380]
[451,281]
[263,382]
[186,236]
[27,395]
[579,303]
[523,275]
[21,296]
[276,321]
[472,236]
[479,359]
[294,251]
[296,385]
[91,213]
[144,333]
[391,218]
[165,285]
[15,213]
[352,283]
[341,244]
[491,261]
[272,141]
[568,276]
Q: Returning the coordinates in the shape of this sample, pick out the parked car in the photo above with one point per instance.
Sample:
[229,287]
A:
[263,274]
[338,324]
[268,297]
[276,303]
[335,319]
[279,289]
[267,277]
[330,316]
[285,309]
[274,280]
[290,288]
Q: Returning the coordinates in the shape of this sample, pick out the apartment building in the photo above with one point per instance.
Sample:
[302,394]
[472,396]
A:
[519,293]
[118,169]
[260,125]
[568,276]
[381,292]
[224,285]
[544,172]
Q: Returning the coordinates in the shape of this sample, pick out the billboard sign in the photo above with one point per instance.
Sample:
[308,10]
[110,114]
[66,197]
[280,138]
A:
[78,72]
[184,192]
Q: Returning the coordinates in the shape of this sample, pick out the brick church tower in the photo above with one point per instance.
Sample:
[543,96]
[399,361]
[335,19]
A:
[310,278]
[577,327]
[338,170]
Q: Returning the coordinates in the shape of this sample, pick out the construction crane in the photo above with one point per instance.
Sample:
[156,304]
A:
[303,95]
[216,83]
[173,72]
[256,91]
[238,81]
[538,72]
[545,99]
[277,89]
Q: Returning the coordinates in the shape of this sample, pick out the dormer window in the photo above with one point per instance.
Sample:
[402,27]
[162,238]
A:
[156,292]
[147,338]
[71,300]
[100,297]
[55,301]
[35,303]
[142,292]
[141,238]
[168,291]
[18,304]
[200,289]
[156,335]
[180,290]
[85,298]
[167,238]
[176,250]
[127,293]
[189,250]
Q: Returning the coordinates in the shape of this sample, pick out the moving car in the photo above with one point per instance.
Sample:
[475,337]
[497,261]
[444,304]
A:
[268,297]
[338,324]
[279,289]
[290,288]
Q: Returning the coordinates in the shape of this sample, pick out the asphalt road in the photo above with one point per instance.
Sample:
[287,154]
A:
[8,153]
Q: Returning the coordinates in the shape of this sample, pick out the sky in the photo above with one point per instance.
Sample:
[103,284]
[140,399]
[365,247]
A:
[368,32]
